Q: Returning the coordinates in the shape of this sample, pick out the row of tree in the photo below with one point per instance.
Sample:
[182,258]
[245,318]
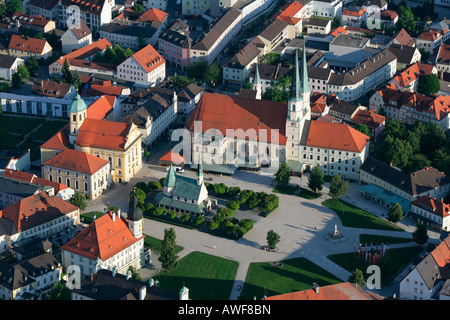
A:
[415,146]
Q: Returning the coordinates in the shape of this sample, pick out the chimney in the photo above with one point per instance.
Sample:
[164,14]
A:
[118,214]
[316,287]
[114,217]
[92,277]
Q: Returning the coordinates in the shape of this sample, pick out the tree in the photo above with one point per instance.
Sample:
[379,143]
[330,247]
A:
[272,239]
[141,40]
[424,55]
[357,277]
[79,200]
[338,187]
[65,72]
[5,87]
[197,68]
[420,235]
[336,23]
[16,80]
[406,19]
[168,257]
[59,292]
[13,6]
[134,273]
[283,174]
[213,73]
[180,81]
[316,179]
[32,65]
[399,153]
[361,127]
[138,7]
[395,213]
[429,85]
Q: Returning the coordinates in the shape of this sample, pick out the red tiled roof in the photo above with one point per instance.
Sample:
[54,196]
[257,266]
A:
[101,107]
[369,118]
[27,44]
[29,177]
[404,38]
[36,20]
[102,239]
[105,88]
[77,161]
[290,20]
[148,58]
[103,134]
[444,54]
[153,14]
[388,15]
[86,51]
[59,141]
[441,254]
[338,31]
[430,35]
[438,207]
[173,157]
[411,74]
[340,136]
[36,209]
[292,9]
[340,291]
[354,13]
[226,113]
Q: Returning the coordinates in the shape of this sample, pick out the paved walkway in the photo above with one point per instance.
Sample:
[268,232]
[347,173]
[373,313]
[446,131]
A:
[294,221]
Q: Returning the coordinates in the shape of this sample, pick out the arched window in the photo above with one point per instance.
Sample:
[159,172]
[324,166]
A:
[74,117]
[293,107]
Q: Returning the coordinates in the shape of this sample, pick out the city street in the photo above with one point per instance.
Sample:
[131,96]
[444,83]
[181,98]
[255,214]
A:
[294,221]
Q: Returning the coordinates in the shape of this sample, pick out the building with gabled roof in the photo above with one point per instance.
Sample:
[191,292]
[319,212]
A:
[427,278]
[60,190]
[94,12]
[30,279]
[340,291]
[39,215]
[83,172]
[45,8]
[185,195]
[408,80]
[443,58]
[35,22]
[112,241]
[409,186]
[110,285]
[402,37]
[406,55]
[433,212]
[76,37]
[429,40]
[26,47]
[146,65]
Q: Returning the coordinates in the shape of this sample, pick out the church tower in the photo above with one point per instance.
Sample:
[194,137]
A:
[257,83]
[200,170]
[135,217]
[78,112]
[304,89]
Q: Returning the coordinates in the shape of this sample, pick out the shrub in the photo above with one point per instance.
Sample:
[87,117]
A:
[247,224]
[154,185]
[212,225]
[239,232]
[171,214]
[233,191]
[159,211]
[220,188]
[143,186]
[199,220]
[185,217]
[233,205]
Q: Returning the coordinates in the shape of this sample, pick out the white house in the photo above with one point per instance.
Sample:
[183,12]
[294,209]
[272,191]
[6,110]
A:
[9,66]
[76,38]
[146,65]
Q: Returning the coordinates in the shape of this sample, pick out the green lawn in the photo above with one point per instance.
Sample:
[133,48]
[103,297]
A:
[354,217]
[375,239]
[88,217]
[48,130]
[284,189]
[155,244]
[20,125]
[294,275]
[207,277]
[308,194]
[395,262]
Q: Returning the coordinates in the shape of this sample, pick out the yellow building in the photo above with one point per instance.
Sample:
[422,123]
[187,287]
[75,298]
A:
[117,142]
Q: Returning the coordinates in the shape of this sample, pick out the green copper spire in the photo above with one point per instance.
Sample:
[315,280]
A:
[77,105]
[295,87]
[304,80]
[170,179]
[257,79]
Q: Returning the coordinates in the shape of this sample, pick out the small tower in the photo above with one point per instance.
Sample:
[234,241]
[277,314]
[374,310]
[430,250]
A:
[169,183]
[135,217]
[304,88]
[257,83]
[78,112]
[295,101]
[200,170]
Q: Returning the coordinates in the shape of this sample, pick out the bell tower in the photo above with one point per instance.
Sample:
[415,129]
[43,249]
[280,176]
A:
[78,112]
[257,83]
